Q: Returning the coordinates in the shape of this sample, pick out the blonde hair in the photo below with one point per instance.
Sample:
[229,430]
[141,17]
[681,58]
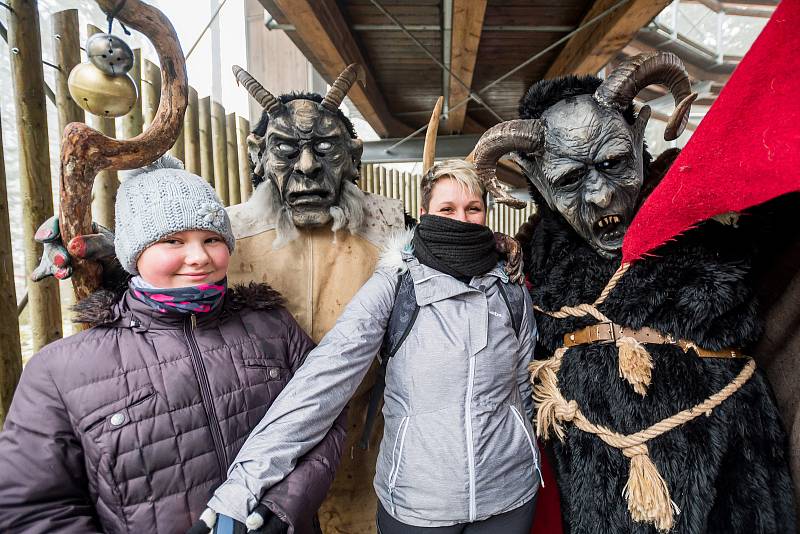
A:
[462,172]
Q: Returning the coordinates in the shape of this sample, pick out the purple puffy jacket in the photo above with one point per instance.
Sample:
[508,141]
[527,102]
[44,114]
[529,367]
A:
[129,426]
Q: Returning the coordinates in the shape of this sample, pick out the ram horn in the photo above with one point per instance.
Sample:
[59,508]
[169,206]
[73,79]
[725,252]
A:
[663,68]
[342,85]
[429,151]
[525,135]
[256,90]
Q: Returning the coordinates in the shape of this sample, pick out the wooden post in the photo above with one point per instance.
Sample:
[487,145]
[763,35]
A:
[133,122]
[10,350]
[44,303]
[206,154]
[232,152]
[220,152]
[191,135]
[245,175]
[178,150]
[104,189]
[151,90]
[67,48]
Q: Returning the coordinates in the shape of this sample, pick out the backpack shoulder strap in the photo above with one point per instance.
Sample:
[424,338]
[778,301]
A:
[515,302]
[404,313]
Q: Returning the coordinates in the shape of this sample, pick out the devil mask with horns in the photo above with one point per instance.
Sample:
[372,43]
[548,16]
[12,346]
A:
[583,152]
[306,153]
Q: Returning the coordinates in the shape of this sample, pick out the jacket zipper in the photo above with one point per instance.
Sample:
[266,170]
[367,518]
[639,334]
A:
[401,435]
[518,417]
[205,393]
[470,446]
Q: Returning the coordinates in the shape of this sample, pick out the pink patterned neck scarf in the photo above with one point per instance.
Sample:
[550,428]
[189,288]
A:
[184,300]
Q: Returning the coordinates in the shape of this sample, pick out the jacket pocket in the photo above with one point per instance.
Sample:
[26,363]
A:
[271,370]
[397,456]
[534,450]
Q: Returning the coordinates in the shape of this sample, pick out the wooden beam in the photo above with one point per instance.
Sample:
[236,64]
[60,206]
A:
[323,35]
[589,50]
[27,76]
[466,37]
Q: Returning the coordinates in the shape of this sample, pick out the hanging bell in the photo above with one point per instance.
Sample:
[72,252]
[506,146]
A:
[109,53]
[102,94]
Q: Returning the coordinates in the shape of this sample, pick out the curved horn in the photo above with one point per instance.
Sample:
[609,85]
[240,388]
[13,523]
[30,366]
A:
[256,90]
[429,152]
[664,68]
[342,85]
[521,134]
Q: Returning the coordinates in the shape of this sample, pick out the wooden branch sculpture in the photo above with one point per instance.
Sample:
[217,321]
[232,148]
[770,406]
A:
[85,151]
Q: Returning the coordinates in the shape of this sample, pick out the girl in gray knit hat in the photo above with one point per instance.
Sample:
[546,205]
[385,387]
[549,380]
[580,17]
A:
[129,425]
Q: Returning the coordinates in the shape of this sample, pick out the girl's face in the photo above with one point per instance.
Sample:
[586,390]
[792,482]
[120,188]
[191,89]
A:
[183,259]
[450,199]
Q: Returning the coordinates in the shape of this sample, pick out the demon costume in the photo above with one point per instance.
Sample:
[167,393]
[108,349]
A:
[316,237]
[660,422]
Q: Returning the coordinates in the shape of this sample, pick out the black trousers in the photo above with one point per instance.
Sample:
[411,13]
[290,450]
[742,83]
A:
[516,521]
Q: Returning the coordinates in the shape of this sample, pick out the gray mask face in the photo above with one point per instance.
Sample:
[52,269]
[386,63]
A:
[590,169]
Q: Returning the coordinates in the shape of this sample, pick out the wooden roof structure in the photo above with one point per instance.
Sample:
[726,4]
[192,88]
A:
[482,55]
[494,49]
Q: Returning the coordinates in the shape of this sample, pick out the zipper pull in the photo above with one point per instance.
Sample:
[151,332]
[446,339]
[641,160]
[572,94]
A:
[193,320]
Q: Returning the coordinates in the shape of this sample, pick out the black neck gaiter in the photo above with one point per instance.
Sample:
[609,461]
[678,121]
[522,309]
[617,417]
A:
[453,247]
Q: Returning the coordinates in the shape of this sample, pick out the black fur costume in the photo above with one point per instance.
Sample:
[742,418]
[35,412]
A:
[728,473]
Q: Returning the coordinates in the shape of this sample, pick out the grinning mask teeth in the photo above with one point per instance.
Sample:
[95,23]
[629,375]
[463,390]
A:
[581,152]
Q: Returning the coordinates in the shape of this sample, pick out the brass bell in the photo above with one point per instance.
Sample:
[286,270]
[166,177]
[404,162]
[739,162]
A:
[102,94]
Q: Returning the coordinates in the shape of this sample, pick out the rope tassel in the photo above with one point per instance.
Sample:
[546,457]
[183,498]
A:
[646,491]
[635,364]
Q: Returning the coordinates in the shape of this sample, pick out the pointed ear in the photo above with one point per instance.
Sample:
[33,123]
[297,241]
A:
[255,147]
[356,150]
[640,124]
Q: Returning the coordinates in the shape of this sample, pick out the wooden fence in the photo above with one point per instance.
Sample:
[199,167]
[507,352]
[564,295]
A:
[404,186]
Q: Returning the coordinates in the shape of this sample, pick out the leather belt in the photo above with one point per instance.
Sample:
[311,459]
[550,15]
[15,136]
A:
[610,332]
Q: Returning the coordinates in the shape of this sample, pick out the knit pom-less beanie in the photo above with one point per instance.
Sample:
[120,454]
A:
[162,199]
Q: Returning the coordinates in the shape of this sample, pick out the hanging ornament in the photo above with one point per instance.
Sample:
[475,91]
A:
[102,85]
[101,94]
[109,53]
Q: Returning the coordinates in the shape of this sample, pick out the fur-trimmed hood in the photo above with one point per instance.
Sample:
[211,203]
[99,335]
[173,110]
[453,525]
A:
[398,246]
[103,306]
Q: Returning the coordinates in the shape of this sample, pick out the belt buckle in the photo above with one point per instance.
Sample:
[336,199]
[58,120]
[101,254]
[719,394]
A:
[610,326]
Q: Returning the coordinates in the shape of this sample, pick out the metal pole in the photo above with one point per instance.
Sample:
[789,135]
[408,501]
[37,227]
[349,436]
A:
[206,154]
[202,33]
[245,181]
[10,349]
[191,135]
[104,189]
[232,152]
[34,163]
[220,152]
[133,122]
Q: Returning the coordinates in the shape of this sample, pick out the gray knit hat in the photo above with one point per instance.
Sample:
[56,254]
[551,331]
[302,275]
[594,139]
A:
[162,199]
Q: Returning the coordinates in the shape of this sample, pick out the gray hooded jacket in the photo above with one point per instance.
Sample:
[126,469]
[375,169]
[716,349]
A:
[457,445]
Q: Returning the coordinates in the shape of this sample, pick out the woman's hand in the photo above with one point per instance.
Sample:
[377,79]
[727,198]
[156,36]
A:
[510,248]
[260,521]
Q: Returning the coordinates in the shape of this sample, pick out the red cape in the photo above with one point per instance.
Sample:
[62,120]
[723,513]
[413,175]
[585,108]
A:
[747,149]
